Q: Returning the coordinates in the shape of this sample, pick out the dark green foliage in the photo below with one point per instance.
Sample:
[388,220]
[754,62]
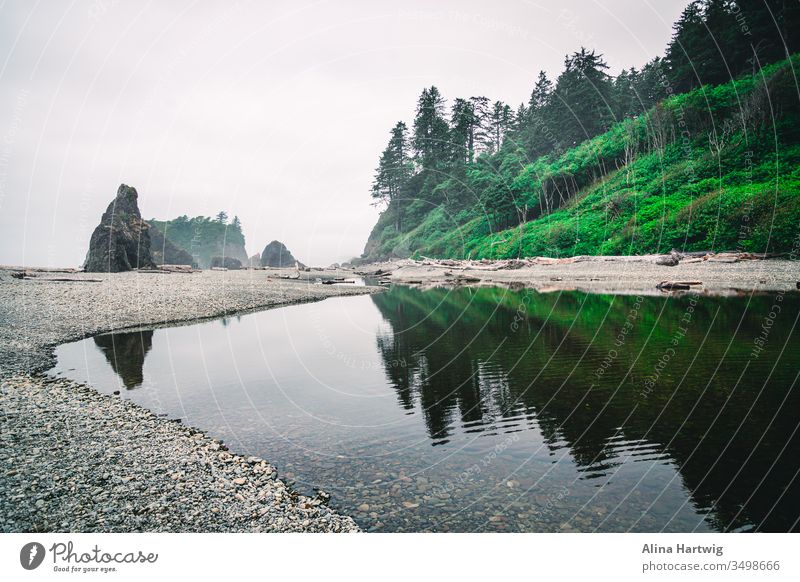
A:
[710,169]
[204,238]
[431,139]
[717,40]
[581,105]
[393,173]
[659,157]
[517,334]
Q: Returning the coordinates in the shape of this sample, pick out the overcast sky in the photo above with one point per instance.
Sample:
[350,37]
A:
[273,111]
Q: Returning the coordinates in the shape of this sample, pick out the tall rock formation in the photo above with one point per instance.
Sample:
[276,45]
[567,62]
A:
[277,255]
[121,241]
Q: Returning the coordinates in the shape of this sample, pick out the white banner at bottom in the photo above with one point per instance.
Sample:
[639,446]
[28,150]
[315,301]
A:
[373,557]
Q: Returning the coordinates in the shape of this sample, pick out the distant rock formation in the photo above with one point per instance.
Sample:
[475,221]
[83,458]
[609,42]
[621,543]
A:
[205,238]
[164,252]
[226,263]
[277,255]
[255,260]
[121,241]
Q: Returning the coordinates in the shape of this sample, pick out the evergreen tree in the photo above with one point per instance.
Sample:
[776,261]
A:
[536,132]
[500,122]
[462,131]
[581,103]
[222,217]
[480,137]
[716,61]
[771,29]
[540,95]
[687,38]
[716,40]
[476,153]
[431,132]
[650,86]
[393,172]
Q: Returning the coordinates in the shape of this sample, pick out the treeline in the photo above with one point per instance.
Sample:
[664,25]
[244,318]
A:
[483,158]
[205,237]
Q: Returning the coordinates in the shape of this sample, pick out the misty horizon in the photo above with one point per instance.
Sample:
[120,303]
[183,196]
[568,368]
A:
[275,114]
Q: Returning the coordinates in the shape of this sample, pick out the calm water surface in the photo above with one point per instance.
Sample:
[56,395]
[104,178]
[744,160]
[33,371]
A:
[494,410]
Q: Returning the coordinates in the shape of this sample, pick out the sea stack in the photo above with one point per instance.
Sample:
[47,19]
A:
[121,241]
[277,255]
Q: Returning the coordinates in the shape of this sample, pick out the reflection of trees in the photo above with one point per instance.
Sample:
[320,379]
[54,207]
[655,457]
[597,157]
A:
[126,353]
[457,355]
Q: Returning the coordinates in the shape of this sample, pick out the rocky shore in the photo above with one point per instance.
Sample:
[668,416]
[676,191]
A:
[72,459]
[714,274]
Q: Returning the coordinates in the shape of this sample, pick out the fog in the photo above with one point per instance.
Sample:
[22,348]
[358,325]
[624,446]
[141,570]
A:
[272,111]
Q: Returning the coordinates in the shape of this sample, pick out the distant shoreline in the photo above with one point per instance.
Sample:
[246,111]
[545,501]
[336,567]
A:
[722,274]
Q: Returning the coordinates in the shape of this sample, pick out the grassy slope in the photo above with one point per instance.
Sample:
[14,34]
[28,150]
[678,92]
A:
[682,196]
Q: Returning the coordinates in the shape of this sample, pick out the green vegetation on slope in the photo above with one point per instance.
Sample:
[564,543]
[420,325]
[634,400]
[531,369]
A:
[601,165]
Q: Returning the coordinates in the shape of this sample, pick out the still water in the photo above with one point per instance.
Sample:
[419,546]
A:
[494,410]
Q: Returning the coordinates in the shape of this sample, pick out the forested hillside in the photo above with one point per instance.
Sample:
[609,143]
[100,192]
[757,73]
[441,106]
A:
[205,238]
[697,150]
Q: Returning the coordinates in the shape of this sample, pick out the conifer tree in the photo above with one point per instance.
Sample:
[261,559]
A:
[393,172]
[431,132]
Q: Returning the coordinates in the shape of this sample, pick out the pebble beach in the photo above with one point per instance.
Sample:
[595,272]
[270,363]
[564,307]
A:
[75,460]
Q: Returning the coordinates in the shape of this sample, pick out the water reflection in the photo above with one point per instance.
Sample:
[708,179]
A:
[580,412]
[126,353]
[616,379]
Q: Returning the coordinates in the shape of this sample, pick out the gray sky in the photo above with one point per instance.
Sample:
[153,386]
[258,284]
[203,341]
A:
[273,111]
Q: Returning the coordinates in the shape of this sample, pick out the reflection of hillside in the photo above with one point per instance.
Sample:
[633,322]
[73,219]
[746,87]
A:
[720,416]
[126,353]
